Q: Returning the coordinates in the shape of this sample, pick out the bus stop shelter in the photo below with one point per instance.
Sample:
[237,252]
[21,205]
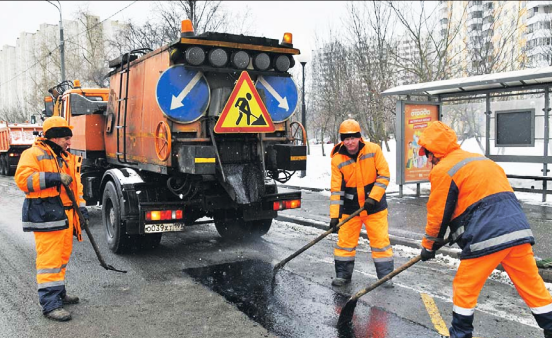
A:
[511,108]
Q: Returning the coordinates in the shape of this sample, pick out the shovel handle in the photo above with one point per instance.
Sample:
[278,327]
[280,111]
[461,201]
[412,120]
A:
[386,278]
[316,240]
[391,275]
[88,232]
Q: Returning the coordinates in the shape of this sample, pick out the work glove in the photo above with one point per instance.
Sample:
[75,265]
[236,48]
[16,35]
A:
[84,213]
[369,203]
[333,224]
[427,254]
[66,179]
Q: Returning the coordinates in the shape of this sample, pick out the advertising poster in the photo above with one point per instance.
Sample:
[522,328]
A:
[416,118]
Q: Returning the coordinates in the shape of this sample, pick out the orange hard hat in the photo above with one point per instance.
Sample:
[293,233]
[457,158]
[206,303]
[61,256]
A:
[349,126]
[56,126]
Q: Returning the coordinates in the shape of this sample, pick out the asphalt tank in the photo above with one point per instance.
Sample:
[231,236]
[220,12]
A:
[198,128]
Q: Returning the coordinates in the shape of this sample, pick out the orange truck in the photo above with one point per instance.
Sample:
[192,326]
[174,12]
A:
[197,131]
[14,138]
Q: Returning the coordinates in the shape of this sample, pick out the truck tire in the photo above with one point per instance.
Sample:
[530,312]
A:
[3,169]
[239,230]
[9,170]
[117,240]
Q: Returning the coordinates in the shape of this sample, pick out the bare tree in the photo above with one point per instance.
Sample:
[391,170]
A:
[330,90]
[371,27]
[165,25]
[433,40]
[92,52]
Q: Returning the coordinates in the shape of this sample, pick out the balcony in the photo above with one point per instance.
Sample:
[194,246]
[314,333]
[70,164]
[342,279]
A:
[533,4]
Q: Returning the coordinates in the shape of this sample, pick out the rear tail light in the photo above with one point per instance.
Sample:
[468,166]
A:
[282,205]
[164,215]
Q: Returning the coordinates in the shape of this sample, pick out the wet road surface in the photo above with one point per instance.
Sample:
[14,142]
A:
[297,307]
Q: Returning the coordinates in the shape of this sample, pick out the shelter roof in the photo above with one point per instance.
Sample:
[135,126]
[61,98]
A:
[519,78]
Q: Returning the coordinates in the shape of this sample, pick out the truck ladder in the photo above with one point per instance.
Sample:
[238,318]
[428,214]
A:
[126,59]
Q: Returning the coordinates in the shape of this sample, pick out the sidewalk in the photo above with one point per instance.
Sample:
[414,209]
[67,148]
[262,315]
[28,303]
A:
[407,219]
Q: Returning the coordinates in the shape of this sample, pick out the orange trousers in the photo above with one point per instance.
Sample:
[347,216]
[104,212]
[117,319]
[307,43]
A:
[518,262]
[377,230]
[53,250]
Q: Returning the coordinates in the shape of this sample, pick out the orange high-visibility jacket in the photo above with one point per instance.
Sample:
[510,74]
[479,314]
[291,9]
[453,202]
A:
[355,179]
[38,175]
[470,194]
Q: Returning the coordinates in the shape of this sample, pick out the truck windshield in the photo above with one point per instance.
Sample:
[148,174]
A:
[81,105]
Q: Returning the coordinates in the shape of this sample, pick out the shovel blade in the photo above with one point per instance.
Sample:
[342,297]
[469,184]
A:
[346,315]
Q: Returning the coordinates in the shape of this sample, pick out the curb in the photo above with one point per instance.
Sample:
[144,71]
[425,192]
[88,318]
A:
[546,274]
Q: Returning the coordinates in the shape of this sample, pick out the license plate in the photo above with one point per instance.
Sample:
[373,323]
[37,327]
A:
[152,228]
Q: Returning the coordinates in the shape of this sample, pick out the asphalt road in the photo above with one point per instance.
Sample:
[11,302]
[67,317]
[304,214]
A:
[198,285]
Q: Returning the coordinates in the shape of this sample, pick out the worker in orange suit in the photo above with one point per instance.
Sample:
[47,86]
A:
[471,195]
[48,211]
[360,176]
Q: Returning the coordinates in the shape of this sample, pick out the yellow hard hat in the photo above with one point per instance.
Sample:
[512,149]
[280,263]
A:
[56,126]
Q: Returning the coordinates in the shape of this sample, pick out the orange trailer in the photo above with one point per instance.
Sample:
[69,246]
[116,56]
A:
[198,128]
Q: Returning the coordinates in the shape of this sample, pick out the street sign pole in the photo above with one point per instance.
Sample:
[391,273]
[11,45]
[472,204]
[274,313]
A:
[304,118]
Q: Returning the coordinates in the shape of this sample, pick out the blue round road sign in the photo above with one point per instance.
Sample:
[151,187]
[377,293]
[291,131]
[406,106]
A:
[280,96]
[182,94]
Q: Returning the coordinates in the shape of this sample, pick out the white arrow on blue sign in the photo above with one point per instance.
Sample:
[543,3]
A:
[182,94]
[280,96]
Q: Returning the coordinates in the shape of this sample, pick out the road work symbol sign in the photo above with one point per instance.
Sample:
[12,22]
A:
[182,94]
[244,111]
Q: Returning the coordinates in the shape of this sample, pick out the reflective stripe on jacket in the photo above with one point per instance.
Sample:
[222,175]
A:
[38,175]
[355,179]
[471,195]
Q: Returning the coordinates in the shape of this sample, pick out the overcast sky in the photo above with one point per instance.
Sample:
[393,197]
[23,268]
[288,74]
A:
[270,18]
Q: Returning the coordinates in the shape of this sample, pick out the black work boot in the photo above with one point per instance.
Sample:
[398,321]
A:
[547,333]
[382,270]
[70,300]
[59,314]
[343,272]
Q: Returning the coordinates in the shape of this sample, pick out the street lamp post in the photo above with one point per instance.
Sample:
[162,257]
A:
[61,41]
[304,117]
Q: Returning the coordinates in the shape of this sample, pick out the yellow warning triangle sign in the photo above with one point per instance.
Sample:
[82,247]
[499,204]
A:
[244,111]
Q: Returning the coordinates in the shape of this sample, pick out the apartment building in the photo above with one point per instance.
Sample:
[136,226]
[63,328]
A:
[34,63]
[538,35]
[495,36]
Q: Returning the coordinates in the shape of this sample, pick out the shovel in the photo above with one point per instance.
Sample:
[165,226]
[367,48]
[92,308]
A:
[347,311]
[313,242]
[346,315]
[88,232]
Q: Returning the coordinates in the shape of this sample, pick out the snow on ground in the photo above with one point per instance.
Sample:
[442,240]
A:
[319,176]
[319,172]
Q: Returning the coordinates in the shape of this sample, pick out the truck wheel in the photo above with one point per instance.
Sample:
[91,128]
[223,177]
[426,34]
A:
[238,229]
[117,240]
[3,166]
[9,170]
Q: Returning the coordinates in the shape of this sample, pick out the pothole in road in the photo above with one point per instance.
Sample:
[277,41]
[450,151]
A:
[296,307]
